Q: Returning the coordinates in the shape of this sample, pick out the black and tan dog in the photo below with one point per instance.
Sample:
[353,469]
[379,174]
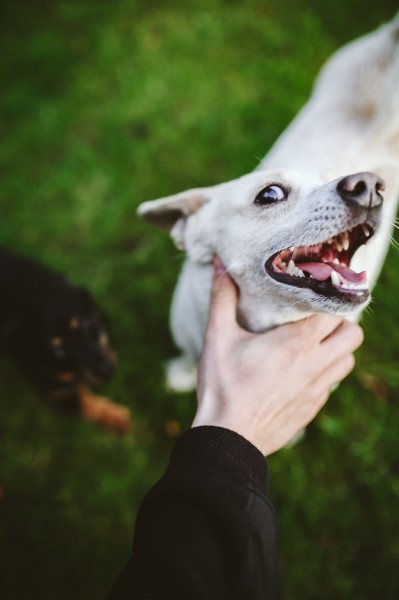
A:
[56,334]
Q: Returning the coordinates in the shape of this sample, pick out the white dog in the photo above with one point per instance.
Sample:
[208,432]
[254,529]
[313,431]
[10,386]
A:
[288,232]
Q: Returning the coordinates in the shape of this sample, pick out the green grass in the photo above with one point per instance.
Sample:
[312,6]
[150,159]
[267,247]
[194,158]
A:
[105,105]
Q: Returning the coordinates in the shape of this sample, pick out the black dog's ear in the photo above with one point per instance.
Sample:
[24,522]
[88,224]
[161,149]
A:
[87,302]
[84,298]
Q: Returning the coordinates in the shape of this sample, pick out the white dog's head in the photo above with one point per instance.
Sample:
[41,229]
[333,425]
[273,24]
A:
[286,237]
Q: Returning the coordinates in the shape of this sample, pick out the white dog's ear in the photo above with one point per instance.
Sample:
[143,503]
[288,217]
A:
[172,212]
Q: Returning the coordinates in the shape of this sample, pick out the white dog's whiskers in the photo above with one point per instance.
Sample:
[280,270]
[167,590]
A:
[369,308]
[258,158]
[394,242]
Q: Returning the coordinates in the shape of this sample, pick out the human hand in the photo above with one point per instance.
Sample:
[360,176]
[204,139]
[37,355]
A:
[268,386]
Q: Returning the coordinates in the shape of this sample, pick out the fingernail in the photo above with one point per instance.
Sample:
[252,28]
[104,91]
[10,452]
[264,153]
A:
[218,266]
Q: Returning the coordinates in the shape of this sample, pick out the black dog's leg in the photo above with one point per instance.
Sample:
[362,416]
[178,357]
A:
[82,401]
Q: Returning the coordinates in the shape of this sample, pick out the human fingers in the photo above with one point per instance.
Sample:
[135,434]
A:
[333,375]
[223,303]
[309,403]
[346,338]
[342,342]
[320,390]
[312,398]
[320,326]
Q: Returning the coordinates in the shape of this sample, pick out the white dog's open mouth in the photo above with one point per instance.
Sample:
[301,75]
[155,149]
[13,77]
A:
[324,267]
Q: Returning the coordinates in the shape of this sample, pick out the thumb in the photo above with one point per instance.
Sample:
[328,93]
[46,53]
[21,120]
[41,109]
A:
[224,297]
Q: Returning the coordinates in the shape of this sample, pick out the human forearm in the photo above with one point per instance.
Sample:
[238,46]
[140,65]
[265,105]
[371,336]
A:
[207,529]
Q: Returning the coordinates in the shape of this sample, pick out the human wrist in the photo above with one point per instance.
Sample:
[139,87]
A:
[213,447]
[208,418]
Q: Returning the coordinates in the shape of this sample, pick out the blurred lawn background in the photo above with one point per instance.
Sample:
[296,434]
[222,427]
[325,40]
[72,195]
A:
[105,105]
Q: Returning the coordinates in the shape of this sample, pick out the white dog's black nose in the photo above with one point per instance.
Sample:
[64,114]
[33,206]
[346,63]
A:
[362,189]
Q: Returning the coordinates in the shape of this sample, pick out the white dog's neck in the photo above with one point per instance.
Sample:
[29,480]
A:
[260,313]
[257,310]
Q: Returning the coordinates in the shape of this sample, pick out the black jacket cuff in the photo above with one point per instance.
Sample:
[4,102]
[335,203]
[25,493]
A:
[217,448]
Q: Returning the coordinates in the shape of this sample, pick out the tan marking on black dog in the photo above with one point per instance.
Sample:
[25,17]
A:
[104,412]
[67,377]
[74,323]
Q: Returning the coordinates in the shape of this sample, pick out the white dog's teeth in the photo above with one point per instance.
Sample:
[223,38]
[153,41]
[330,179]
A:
[346,242]
[360,287]
[282,266]
[354,286]
[292,269]
[289,267]
[366,230]
[336,261]
[335,278]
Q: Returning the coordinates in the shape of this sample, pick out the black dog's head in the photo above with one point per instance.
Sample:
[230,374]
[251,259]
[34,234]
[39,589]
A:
[71,339]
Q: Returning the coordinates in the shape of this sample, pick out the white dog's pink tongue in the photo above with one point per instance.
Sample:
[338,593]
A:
[322,271]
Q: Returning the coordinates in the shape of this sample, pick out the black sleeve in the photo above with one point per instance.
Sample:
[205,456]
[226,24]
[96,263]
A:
[206,530]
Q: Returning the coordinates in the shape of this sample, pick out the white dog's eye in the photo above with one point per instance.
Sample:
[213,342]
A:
[270,194]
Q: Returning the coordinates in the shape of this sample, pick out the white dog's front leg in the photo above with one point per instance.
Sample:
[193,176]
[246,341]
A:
[188,321]
[181,374]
